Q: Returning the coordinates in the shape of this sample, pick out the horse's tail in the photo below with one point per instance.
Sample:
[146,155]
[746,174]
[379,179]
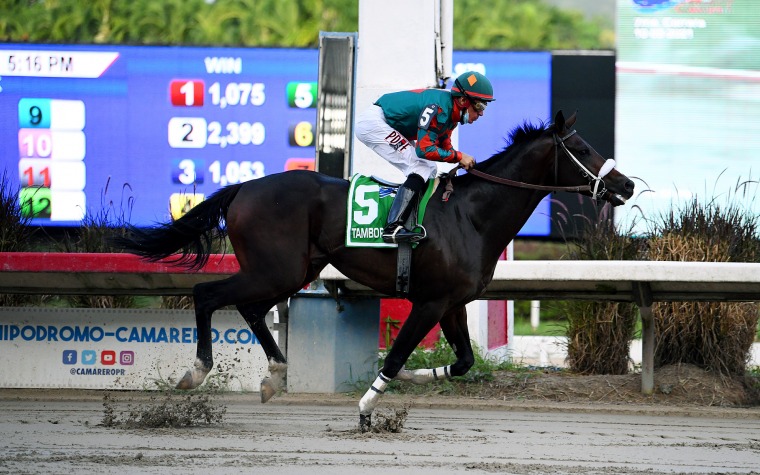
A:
[192,236]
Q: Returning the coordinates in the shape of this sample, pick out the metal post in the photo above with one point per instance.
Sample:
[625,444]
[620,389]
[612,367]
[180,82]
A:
[642,295]
[535,314]
[647,350]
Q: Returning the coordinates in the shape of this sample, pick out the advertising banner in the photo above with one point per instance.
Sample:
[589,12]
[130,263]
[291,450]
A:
[123,349]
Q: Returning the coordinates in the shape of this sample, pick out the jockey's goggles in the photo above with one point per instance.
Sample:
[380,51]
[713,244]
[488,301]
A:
[479,106]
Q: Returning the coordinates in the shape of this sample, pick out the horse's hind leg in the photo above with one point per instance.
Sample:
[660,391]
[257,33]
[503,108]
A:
[454,326]
[255,315]
[208,297]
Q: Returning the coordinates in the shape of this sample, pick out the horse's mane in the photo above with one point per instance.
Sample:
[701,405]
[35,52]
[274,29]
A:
[524,133]
[517,137]
[520,135]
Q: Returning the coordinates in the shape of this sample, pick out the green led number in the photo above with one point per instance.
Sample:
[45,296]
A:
[302,95]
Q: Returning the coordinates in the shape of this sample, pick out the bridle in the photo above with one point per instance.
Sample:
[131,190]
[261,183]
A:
[559,142]
[598,179]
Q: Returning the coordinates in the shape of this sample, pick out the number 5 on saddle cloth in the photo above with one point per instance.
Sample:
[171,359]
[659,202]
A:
[369,200]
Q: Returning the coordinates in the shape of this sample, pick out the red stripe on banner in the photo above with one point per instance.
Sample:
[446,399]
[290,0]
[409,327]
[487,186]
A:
[103,262]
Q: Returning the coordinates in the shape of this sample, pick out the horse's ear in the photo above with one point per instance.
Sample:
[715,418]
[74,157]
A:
[559,123]
[571,120]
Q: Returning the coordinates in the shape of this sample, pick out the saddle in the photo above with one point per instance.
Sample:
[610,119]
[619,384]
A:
[369,200]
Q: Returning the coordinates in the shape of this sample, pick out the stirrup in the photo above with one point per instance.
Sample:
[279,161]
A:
[405,236]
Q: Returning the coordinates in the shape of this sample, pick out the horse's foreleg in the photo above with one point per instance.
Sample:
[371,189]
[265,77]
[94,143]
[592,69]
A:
[454,326]
[411,334]
[255,315]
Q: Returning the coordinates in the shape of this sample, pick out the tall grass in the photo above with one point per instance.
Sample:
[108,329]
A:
[15,234]
[600,333]
[715,336]
[94,235]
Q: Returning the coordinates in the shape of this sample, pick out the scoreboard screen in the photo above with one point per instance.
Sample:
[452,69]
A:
[150,131]
[84,126]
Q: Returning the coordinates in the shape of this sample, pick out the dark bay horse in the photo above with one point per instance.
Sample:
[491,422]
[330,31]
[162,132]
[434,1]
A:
[285,228]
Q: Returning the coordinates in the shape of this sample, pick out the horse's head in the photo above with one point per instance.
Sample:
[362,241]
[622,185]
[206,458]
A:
[577,163]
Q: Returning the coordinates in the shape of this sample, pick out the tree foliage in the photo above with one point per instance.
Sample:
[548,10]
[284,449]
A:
[525,25]
[478,24]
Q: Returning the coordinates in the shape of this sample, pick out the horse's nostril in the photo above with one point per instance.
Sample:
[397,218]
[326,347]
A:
[629,186]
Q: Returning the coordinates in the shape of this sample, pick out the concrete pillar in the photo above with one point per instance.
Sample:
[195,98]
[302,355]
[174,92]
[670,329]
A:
[331,348]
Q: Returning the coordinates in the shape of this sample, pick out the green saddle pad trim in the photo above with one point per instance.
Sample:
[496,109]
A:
[367,212]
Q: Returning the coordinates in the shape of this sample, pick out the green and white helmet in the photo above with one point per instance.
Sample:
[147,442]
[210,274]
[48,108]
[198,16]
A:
[473,85]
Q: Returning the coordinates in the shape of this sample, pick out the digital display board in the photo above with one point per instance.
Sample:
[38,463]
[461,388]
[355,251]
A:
[154,130]
[522,89]
[173,124]
[688,103]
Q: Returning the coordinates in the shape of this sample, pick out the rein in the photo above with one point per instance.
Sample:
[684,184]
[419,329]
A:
[560,142]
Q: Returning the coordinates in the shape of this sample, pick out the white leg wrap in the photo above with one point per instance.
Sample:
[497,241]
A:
[369,400]
[422,376]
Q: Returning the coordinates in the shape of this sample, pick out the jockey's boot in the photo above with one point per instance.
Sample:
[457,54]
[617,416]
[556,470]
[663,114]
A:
[403,205]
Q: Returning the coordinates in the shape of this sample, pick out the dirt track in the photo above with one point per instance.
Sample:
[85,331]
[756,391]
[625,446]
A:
[61,433]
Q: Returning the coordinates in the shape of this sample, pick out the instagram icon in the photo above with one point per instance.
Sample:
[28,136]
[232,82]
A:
[127,358]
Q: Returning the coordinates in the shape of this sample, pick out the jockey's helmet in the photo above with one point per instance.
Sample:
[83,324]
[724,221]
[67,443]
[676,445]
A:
[473,85]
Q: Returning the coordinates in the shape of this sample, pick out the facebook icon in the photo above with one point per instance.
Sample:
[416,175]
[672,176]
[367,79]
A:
[69,356]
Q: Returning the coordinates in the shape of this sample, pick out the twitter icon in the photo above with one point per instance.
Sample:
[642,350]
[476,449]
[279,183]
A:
[89,357]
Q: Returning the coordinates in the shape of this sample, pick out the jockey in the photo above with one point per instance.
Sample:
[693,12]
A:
[412,131]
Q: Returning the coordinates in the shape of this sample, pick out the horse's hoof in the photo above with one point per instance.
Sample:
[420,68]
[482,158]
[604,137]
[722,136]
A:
[186,382]
[365,423]
[267,390]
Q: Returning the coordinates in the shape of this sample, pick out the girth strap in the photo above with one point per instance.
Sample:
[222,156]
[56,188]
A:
[403,269]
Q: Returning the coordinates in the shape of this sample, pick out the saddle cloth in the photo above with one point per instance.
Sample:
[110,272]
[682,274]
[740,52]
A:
[369,200]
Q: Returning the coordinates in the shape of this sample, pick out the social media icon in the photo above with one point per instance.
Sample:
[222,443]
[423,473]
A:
[108,357]
[69,356]
[89,356]
[127,358]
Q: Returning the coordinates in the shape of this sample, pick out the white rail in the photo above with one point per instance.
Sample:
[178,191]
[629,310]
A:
[640,282]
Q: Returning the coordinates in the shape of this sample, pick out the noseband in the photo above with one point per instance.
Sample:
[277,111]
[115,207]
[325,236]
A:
[596,193]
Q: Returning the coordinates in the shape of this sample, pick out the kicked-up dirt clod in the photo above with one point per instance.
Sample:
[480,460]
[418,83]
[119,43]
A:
[166,409]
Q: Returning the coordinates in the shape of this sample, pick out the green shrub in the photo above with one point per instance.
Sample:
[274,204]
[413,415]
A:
[502,25]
